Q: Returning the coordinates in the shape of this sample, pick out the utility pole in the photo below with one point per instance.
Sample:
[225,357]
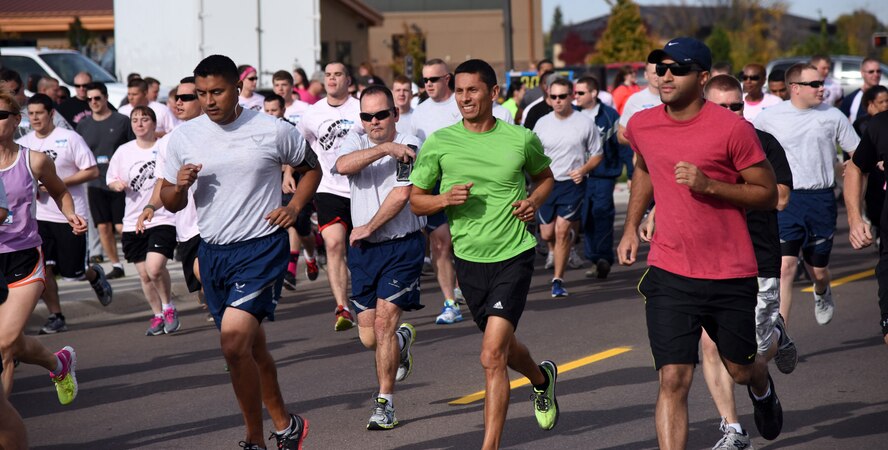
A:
[507,31]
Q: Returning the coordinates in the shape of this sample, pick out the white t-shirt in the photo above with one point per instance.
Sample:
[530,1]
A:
[186,218]
[832,91]
[135,166]
[752,110]
[70,154]
[809,138]
[240,181]
[405,122]
[294,112]
[499,112]
[568,141]
[166,121]
[256,102]
[371,186]
[430,116]
[325,127]
[606,98]
[639,101]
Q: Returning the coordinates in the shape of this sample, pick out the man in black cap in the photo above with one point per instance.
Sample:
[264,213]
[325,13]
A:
[702,268]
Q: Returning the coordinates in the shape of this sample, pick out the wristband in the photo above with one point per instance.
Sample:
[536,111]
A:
[150,206]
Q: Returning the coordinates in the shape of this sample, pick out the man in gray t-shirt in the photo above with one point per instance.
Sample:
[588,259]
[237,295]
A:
[232,156]
[386,248]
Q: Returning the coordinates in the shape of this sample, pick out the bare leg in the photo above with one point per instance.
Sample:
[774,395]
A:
[788,267]
[239,334]
[51,293]
[155,267]
[672,406]
[149,289]
[718,380]
[271,390]
[442,258]
[337,270]
[109,245]
[562,245]
[12,429]
[14,315]
[387,350]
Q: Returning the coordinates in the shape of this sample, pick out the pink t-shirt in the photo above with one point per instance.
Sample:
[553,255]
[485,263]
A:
[698,236]
[186,218]
[135,166]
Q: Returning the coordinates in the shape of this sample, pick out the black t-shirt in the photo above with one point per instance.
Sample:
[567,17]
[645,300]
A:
[103,138]
[535,113]
[873,148]
[74,110]
[762,225]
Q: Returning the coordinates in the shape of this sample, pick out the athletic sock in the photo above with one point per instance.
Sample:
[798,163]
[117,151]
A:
[449,302]
[59,367]
[387,397]
[736,427]
[159,316]
[120,265]
[767,394]
[401,340]
[289,426]
[168,306]
[544,386]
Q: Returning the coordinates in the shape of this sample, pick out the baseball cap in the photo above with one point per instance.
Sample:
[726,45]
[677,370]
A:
[684,50]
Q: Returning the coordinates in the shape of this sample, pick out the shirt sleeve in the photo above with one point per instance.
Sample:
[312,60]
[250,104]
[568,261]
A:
[866,157]
[744,147]
[846,135]
[83,156]
[777,157]
[593,141]
[427,168]
[351,143]
[113,173]
[535,159]
[173,159]
[291,146]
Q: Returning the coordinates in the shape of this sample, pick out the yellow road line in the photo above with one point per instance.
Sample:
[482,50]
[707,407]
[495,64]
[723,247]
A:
[471,398]
[848,279]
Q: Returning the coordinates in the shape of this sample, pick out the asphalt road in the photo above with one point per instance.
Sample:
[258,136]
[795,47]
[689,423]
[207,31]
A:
[172,391]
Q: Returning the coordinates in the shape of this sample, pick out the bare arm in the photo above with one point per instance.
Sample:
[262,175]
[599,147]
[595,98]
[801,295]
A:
[354,162]
[578,174]
[621,135]
[394,202]
[175,196]
[859,231]
[640,195]
[44,170]
[82,176]
[782,196]
[285,216]
[424,203]
[759,190]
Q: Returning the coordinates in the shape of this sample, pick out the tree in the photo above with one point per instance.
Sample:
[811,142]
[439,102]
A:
[719,43]
[557,26]
[574,50]
[410,43]
[625,38]
[78,36]
[823,43]
[857,30]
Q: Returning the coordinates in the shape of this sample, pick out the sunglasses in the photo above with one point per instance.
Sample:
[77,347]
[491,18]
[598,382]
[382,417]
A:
[677,69]
[874,71]
[732,106]
[581,93]
[186,97]
[431,79]
[751,77]
[252,78]
[381,115]
[5,114]
[559,96]
[814,84]
[80,86]
[95,99]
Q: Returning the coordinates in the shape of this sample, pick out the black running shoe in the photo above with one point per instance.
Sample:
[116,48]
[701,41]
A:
[293,437]
[115,273]
[768,413]
[289,281]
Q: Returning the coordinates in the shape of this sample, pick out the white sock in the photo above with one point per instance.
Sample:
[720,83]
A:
[778,335]
[764,396]
[401,341]
[59,366]
[117,265]
[160,316]
[736,427]
[168,306]
[387,397]
[308,257]
[290,425]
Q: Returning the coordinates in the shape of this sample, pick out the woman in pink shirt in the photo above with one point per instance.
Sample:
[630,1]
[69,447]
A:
[300,86]
[624,86]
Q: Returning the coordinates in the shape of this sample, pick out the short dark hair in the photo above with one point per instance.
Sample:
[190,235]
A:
[869,60]
[777,75]
[590,81]
[545,61]
[722,67]
[10,75]
[514,87]
[795,71]
[282,75]
[218,65]
[41,99]
[189,80]
[377,89]
[724,83]
[145,111]
[479,67]
[98,85]
[138,83]
[821,57]
[435,62]
[272,97]
[402,79]
[563,82]
[150,81]
[132,76]
[870,95]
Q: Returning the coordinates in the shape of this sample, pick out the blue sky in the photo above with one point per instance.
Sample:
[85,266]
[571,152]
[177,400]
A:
[576,11]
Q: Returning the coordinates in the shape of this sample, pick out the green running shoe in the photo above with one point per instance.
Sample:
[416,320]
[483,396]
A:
[545,405]
[66,382]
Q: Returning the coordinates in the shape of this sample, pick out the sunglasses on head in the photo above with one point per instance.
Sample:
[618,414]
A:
[186,97]
[732,106]
[559,96]
[751,77]
[432,79]
[381,115]
[817,84]
[5,114]
[95,99]
[678,70]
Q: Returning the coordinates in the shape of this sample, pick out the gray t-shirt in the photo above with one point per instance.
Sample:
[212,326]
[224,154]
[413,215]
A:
[240,181]
[569,142]
[639,101]
[810,138]
[103,138]
[371,186]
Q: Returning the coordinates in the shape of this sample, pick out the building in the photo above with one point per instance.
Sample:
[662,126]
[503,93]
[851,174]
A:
[48,23]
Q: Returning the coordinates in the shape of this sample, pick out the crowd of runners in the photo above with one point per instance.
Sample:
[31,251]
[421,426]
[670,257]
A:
[732,177]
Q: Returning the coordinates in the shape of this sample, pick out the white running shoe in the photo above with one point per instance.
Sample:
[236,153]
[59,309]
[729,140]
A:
[824,306]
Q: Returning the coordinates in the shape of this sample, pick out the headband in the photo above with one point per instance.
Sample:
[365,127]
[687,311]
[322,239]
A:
[247,72]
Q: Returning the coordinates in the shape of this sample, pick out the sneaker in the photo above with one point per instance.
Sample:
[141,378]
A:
[732,440]
[383,417]
[550,261]
[171,321]
[458,296]
[545,405]
[405,365]
[592,272]
[96,259]
[54,323]
[787,356]
[293,437]
[289,280]
[450,313]
[156,327]
[311,269]
[101,285]
[427,267]
[116,272]
[248,446]
[824,306]
[344,319]
[66,382]
[768,413]
[574,261]
[603,268]
[558,288]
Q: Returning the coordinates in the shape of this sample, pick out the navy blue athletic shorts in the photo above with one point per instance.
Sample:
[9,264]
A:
[388,270]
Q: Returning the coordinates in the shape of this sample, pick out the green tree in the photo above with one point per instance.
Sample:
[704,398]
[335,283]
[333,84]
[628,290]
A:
[856,30]
[410,43]
[719,43]
[625,38]
[557,26]
[823,43]
[78,36]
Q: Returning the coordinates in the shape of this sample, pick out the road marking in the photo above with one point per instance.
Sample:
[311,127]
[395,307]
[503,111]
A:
[848,279]
[567,367]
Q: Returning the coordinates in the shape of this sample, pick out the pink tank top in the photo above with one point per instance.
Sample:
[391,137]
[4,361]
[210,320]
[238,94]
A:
[19,231]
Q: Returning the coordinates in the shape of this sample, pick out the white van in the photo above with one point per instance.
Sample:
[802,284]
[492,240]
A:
[62,65]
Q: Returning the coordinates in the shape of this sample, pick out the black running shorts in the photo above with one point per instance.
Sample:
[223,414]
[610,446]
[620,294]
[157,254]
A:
[62,249]
[333,209]
[188,252]
[106,206]
[496,289]
[160,239]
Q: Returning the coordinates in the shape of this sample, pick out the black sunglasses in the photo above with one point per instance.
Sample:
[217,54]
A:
[252,78]
[381,115]
[95,99]
[5,114]
[874,71]
[677,69]
[581,93]
[559,96]
[732,106]
[751,77]
[431,79]
[186,97]
[814,84]
[80,86]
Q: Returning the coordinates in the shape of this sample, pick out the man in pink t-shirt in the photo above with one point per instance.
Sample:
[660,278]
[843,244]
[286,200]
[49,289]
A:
[704,166]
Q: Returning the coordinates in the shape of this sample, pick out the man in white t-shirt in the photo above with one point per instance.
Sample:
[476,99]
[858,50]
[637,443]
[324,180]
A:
[386,248]
[641,100]
[402,90]
[282,84]
[809,131]
[832,94]
[325,125]
[137,95]
[64,252]
[755,99]
[572,140]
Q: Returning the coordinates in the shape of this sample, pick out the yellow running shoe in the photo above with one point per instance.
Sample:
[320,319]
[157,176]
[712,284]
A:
[66,381]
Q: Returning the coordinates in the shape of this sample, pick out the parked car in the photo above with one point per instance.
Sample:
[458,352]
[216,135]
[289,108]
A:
[846,70]
[62,65]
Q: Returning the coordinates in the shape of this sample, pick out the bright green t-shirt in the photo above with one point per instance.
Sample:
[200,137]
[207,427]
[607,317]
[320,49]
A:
[483,228]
